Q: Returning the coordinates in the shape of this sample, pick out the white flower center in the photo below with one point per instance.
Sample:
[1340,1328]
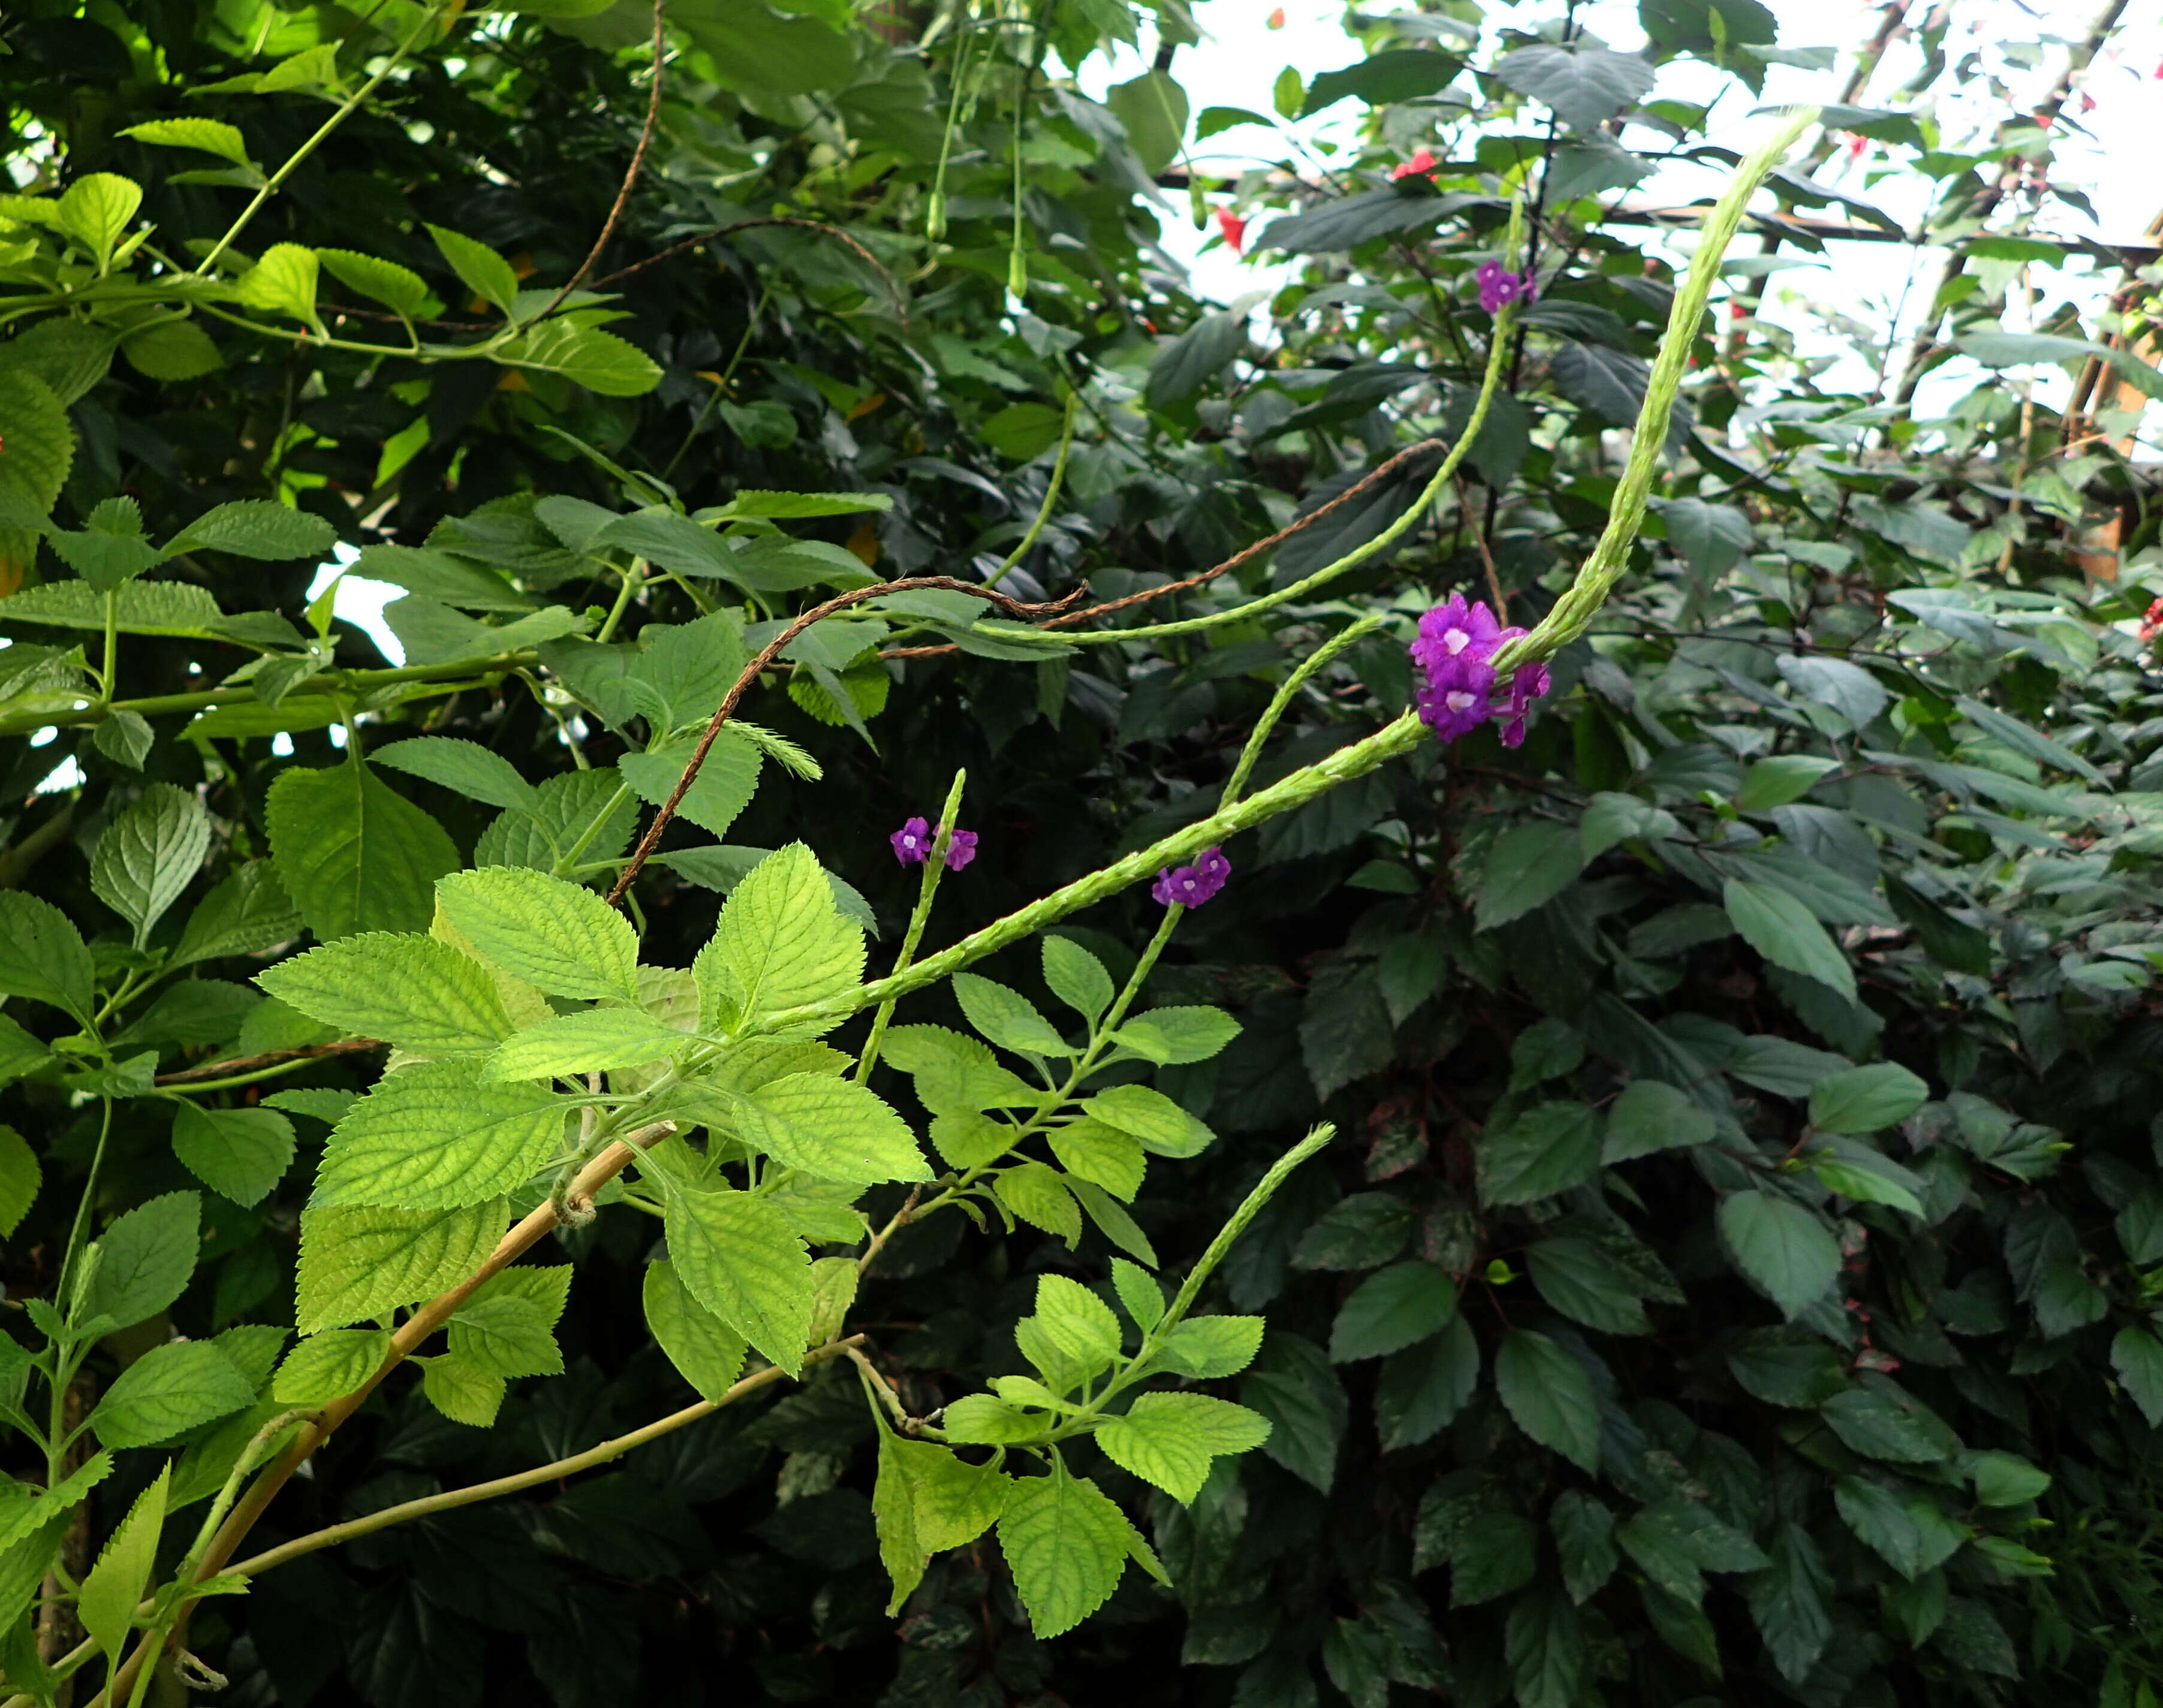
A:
[1458,700]
[1455,641]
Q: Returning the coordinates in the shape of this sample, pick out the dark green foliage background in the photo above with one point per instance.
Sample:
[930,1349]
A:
[1399,1539]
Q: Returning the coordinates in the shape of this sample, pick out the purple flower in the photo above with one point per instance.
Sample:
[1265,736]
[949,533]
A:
[1455,651]
[913,843]
[1498,285]
[1190,885]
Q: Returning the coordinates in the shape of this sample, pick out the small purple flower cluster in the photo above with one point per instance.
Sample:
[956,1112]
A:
[1498,285]
[1455,652]
[912,845]
[1190,885]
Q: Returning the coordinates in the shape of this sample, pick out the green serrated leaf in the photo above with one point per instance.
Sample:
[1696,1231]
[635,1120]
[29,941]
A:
[781,942]
[435,1137]
[558,937]
[1171,1439]
[1066,1543]
[363,1262]
[740,1257]
[409,990]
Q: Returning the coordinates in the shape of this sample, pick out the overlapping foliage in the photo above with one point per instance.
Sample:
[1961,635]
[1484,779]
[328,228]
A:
[1734,1277]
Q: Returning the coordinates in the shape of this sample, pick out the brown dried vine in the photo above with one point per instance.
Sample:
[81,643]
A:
[1012,607]
[1235,561]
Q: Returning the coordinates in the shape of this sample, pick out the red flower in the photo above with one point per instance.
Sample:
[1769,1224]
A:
[1234,229]
[2152,623]
[1423,161]
[1857,145]
[1276,18]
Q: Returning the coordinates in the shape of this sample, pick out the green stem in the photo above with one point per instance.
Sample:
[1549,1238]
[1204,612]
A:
[1490,383]
[1050,496]
[112,647]
[277,1070]
[1314,662]
[337,117]
[82,1215]
[567,864]
[633,578]
[1357,760]
[354,681]
[935,867]
[1573,613]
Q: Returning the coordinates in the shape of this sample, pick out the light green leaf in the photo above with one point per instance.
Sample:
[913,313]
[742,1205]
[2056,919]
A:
[239,1154]
[107,1600]
[326,1366]
[1548,1394]
[248,912]
[1783,778]
[1139,1292]
[171,349]
[1153,109]
[1033,1192]
[1548,1148]
[1163,1128]
[1864,1099]
[719,793]
[1006,1018]
[399,289]
[1076,977]
[1651,1116]
[706,1352]
[981,1420]
[741,1259]
[1783,930]
[353,855]
[1171,1439]
[1076,1324]
[1786,1250]
[42,955]
[781,942]
[833,1127]
[168,1391]
[1204,1347]
[954,1074]
[505,1335]
[595,1040]
[435,1137]
[20,1177]
[283,282]
[1529,865]
[209,134]
[1103,1155]
[96,209]
[1391,1309]
[484,273]
[600,361]
[1066,1544]
[462,1391]
[464,768]
[362,1262]
[1173,1037]
[407,989]
[144,1260]
[149,854]
[559,937]
[926,1501]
